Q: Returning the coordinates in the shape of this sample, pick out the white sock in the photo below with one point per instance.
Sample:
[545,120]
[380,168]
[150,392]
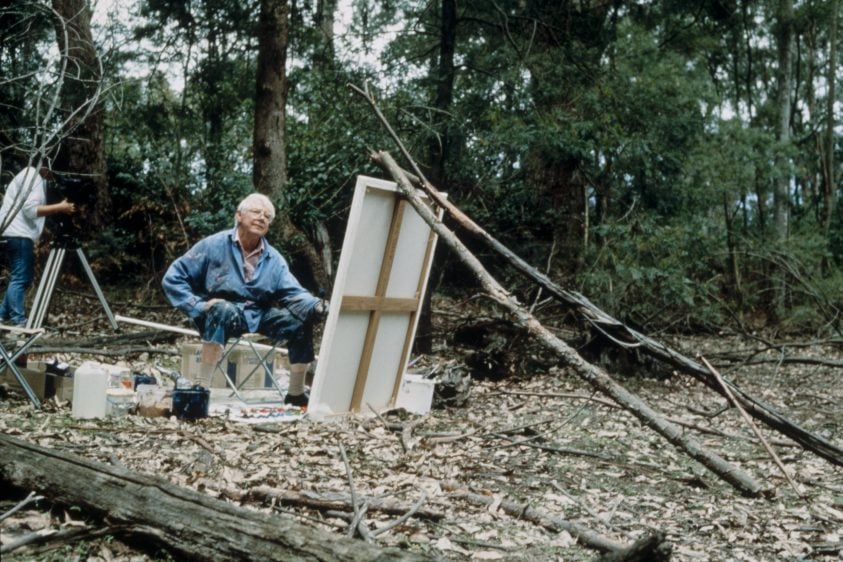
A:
[297,372]
[206,371]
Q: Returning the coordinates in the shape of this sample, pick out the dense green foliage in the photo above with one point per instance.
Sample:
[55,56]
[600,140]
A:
[629,148]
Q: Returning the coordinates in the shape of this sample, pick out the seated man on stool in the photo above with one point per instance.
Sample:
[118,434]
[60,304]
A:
[233,282]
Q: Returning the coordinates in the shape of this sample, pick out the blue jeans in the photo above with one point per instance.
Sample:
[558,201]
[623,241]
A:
[224,320]
[21,257]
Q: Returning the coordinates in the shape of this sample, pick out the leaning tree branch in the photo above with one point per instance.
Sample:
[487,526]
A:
[592,374]
[618,331]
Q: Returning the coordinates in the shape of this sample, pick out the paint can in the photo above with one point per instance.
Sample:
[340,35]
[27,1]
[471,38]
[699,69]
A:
[191,403]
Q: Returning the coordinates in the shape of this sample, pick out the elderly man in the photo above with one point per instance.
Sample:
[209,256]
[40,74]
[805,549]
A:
[233,282]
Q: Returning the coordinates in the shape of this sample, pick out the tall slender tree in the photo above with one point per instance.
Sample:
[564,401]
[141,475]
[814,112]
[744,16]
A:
[784,81]
[269,151]
[443,75]
[269,137]
[827,152]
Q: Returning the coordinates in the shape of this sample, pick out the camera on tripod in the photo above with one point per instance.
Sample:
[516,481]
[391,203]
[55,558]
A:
[77,191]
[80,192]
[66,230]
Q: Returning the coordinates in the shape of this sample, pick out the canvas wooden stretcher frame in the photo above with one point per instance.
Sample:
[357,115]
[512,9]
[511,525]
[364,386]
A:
[378,293]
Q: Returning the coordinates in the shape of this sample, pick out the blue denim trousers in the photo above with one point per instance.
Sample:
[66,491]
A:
[21,258]
[225,320]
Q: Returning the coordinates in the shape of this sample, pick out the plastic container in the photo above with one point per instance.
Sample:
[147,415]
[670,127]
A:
[120,378]
[154,400]
[141,378]
[415,394]
[119,402]
[90,384]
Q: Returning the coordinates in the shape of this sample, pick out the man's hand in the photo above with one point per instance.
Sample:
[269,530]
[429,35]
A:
[320,311]
[210,303]
[66,207]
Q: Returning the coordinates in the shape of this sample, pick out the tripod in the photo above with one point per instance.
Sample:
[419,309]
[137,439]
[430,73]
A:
[51,274]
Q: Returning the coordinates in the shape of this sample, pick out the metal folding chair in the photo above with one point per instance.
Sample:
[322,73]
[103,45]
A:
[25,337]
[262,353]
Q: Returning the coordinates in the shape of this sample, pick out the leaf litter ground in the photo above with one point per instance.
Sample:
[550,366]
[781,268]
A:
[540,439]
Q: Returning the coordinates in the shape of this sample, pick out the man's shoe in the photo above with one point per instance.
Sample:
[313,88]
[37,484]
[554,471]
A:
[299,400]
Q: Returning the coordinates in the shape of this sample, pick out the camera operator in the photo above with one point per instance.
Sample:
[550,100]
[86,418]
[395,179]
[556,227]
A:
[26,199]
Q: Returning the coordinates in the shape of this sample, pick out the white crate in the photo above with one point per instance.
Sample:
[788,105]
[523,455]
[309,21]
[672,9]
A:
[415,394]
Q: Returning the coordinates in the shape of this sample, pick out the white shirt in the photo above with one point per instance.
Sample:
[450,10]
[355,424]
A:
[27,191]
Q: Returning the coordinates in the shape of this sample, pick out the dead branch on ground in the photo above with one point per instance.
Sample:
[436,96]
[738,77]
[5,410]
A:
[537,516]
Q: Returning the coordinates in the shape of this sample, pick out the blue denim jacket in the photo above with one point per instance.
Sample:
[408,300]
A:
[213,268]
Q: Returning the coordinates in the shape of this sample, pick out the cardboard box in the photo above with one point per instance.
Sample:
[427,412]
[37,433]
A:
[36,380]
[43,385]
[63,388]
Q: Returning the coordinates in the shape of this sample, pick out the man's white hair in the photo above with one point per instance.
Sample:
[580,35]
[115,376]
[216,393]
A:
[254,200]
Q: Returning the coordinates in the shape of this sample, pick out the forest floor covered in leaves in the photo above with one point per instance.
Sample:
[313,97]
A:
[541,440]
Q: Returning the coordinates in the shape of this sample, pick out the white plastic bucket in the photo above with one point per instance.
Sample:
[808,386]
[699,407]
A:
[90,385]
[120,401]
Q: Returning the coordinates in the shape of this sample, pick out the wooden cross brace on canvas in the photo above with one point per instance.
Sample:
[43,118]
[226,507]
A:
[378,304]
[378,293]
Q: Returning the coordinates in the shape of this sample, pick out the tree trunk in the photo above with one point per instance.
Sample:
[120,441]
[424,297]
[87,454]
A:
[269,173]
[827,153]
[443,75]
[323,18]
[732,248]
[439,146]
[83,149]
[190,524]
[784,38]
[270,153]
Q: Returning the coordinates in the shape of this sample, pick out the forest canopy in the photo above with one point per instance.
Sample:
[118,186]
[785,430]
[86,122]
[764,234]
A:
[677,161]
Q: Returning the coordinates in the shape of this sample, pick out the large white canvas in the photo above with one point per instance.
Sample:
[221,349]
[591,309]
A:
[372,214]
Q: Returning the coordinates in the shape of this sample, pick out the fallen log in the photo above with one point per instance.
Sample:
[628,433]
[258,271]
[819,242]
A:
[615,329]
[592,374]
[190,524]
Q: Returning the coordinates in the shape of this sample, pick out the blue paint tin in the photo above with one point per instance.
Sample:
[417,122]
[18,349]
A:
[191,403]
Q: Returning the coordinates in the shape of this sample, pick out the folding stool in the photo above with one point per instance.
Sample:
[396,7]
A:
[261,351]
[8,357]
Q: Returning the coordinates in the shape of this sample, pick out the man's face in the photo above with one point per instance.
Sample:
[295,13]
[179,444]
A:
[254,220]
